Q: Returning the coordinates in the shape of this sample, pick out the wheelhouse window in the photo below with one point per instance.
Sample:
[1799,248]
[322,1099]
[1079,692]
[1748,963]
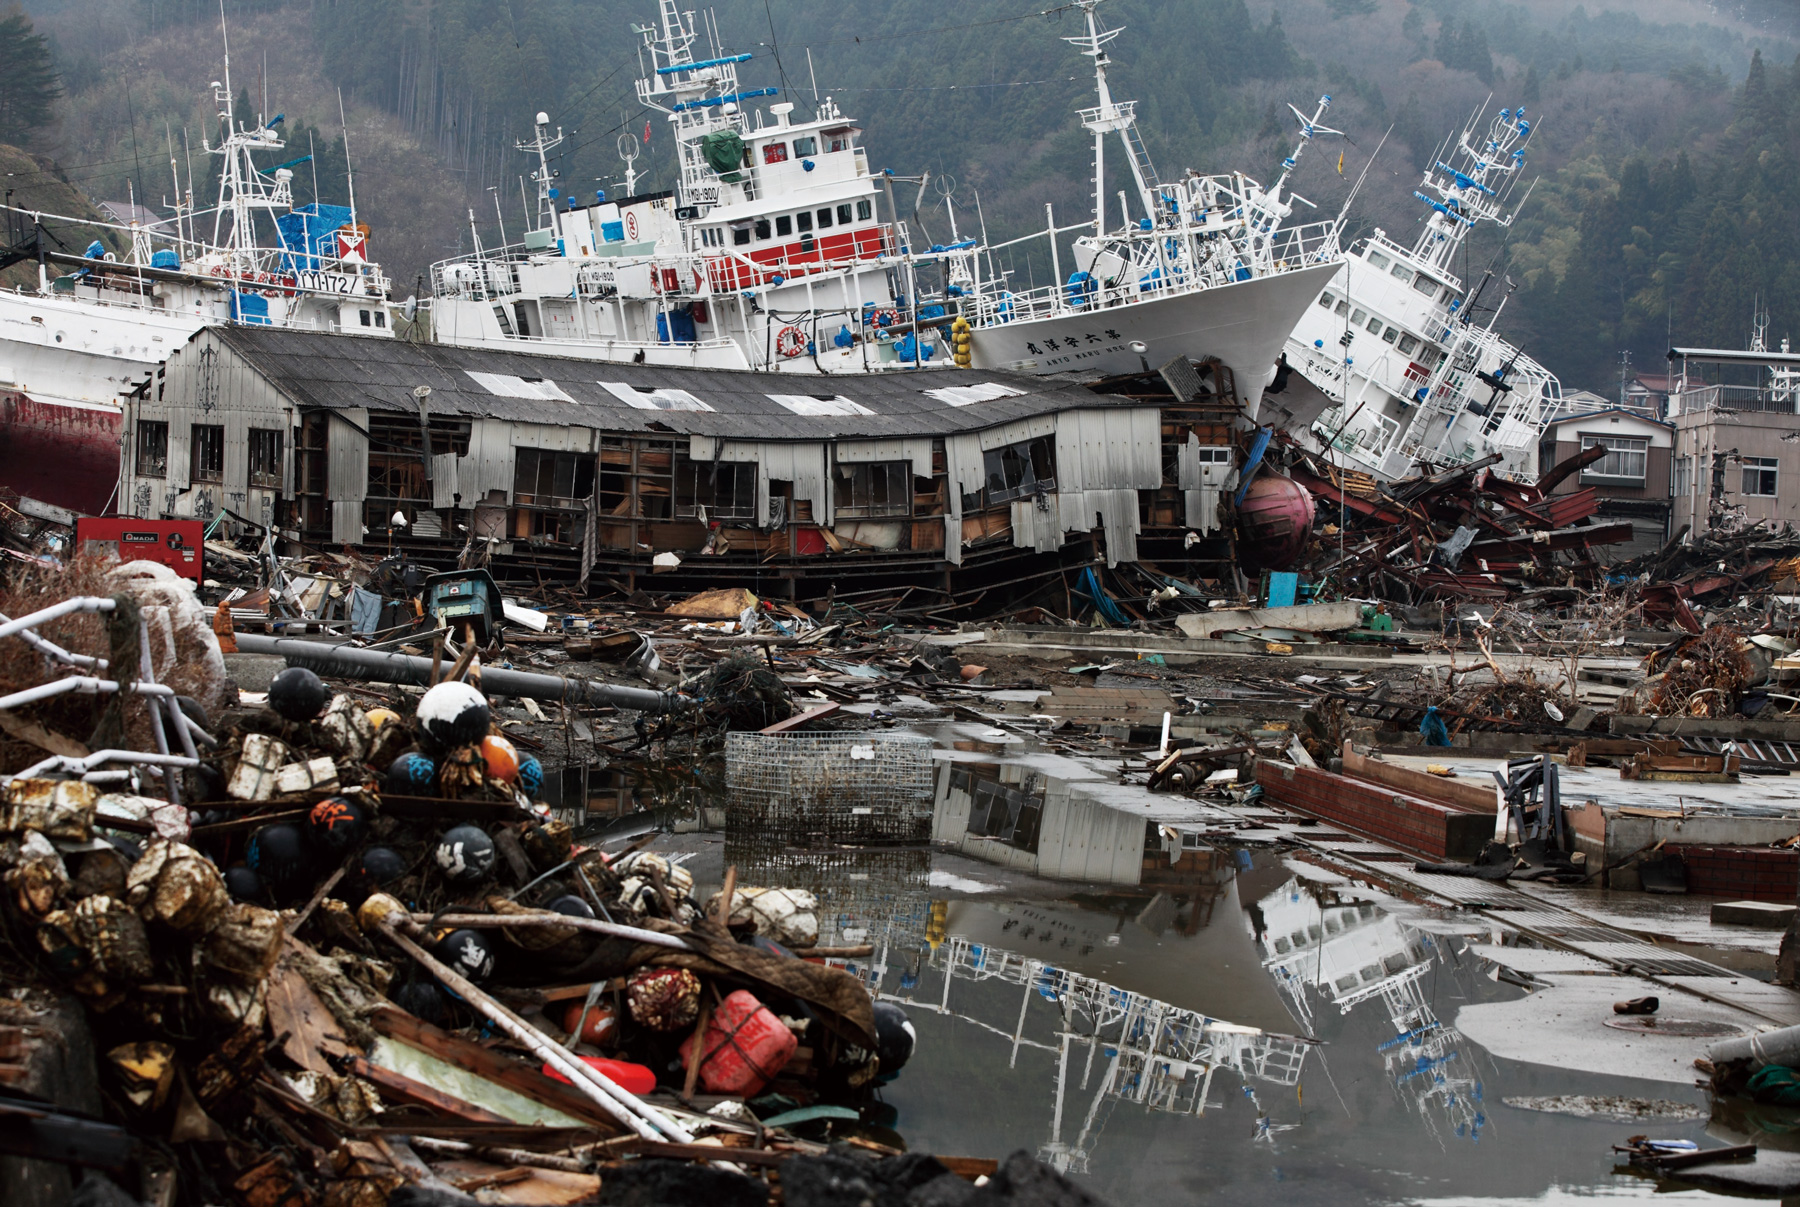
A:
[803,221]
[1015,471]
[806,145]
[265,458]
[865,210]
[870,489]
[1424,284]
[824,217]
[775,152]
[152,449]
[1401,271]
[1761,476]
[1408,344]
[1626,459]
[762,228]
[726,489]
[1374,325]
[1326,300]
[740,234]
[545,478]
[1391,334]
[1377,260]
[208,463]
[784,225]
[843,214]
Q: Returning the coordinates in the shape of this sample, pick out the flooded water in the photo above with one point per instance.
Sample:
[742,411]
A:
[1245,1027]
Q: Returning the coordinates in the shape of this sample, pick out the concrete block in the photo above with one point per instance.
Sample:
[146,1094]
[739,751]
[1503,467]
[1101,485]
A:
[1766,915]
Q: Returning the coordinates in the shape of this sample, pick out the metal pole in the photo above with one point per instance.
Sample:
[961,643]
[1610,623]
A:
[382,667]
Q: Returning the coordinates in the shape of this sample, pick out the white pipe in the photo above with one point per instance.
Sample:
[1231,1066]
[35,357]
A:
[80,603]
[516,921]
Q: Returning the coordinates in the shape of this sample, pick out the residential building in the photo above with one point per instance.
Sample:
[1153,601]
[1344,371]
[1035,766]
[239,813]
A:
[1737,438]
[1630,483]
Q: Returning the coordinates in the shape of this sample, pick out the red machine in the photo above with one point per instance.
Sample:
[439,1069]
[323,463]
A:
[177,544]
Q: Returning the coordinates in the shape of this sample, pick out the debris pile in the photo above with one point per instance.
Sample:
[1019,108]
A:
[339,954]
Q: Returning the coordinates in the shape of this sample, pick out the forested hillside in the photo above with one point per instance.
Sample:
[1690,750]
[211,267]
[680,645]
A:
[1667,130]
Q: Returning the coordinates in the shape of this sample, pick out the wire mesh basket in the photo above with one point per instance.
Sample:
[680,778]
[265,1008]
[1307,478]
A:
[823,790]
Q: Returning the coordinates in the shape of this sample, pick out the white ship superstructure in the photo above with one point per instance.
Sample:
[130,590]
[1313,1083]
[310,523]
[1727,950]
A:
[97,326]
[769,254]
[772,253]
[1413,368]
[1201,266]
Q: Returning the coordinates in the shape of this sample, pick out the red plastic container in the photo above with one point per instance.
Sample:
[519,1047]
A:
[632,1078]
[745,1047]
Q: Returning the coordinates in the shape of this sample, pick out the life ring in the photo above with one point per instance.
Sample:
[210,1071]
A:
[791,342]
[885,318]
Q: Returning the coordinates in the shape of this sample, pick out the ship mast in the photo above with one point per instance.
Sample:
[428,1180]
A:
[542,141]
[1110,115]
[1476,191]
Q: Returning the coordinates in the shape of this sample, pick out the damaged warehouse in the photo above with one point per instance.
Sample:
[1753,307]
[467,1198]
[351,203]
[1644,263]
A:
[567,467]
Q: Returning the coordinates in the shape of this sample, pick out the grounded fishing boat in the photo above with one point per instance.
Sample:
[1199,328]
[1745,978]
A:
[1401,368]
[770,255]
[99,326]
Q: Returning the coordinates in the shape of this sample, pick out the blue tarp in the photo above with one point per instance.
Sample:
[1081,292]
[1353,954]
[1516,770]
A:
[250,308]
[308,233]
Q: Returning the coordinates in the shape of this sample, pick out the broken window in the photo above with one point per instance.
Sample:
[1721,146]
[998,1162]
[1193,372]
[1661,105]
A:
[1017,470]
[867,489]
[1625,459]
[208,453]
[265,457]
[1760,475]
[152,449]
[726,489]
[542,478]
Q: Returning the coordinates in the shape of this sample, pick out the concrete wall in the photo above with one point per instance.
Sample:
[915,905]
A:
[1700,434]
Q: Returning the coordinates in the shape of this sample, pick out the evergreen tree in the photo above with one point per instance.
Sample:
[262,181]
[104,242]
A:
[1532,92]
[28,80]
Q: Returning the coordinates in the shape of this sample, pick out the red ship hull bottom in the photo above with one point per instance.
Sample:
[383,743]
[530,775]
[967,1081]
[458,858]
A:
[59,454]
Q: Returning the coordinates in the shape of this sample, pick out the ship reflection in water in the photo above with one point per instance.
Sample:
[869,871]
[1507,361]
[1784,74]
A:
[1343,953]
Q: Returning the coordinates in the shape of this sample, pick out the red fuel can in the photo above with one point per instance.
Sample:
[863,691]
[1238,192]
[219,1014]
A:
[744,1048]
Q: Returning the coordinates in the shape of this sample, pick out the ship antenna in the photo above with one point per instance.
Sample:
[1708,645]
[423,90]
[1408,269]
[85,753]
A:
[349,176]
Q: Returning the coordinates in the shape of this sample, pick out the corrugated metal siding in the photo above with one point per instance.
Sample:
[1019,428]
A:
[917,450]
[489,465]
[346,522]
[347,470]
[1200,484]
[444,485]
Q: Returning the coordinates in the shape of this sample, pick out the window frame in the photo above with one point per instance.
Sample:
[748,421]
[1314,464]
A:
[822,219]
[157,449]
[1760,466]
[1031,457]
[886,488]
[209,448]
[269,476]
[569,469]
[1617,457]
[865,210]
[804,145]
[784,226]
[696,484]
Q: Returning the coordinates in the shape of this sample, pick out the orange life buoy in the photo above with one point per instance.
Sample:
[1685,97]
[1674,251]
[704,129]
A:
[885,318]
[791,342]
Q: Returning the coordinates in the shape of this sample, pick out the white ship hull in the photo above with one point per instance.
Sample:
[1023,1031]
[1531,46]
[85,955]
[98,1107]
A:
[1245,324]
[63,366]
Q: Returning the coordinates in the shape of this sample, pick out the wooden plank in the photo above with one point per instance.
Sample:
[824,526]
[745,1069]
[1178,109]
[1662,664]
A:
[401,1088]
[800,719]
[296,1012]
[1468,796]
[515,1075]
